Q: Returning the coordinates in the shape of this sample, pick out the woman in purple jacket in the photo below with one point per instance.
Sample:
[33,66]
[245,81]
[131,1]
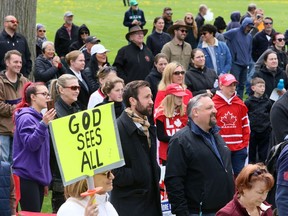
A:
[31,145]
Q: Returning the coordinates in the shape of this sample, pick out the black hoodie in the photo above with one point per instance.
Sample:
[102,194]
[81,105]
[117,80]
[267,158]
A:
[76,45]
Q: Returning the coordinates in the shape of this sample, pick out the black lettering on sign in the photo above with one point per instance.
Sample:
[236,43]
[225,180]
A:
[73,130]
[91,160]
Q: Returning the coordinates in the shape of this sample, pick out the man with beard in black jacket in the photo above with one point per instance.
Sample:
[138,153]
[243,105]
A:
[134,61]
[199,178]
[11,40]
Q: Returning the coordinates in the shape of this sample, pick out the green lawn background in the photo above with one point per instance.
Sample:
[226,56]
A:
[104,19]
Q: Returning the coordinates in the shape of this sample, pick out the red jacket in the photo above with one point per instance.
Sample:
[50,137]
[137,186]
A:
[233,120]
[161,95]
[171,125]
[236,209]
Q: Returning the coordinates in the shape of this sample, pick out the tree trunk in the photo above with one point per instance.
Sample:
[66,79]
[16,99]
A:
[25,13]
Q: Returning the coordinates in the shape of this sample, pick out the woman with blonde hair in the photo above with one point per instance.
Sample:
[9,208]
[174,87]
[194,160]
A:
[253,184]
[173,73]
[192,33]
[98,205]
[64,92]
[170,117]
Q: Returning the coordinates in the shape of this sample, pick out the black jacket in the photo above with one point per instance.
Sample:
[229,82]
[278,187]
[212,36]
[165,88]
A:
[62,110]
[190,38]
[19,43]
[63,40]
[156,41]
[84,94]
[195,177]
[260,44]
[199,80]
[133,63]
[279,118]
[154,78]
[136,185]
[45,71]
[271,79]
[259,113]
[131,15]
[118,106]
[76,45]
[91,73]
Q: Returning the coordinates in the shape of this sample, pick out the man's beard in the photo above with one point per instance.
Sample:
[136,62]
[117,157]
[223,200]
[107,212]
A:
[142,110]
[212,123]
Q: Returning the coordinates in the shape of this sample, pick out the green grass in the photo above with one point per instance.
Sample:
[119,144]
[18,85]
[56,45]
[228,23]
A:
[104,19]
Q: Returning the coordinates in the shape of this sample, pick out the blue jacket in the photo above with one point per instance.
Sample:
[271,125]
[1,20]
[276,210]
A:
[131,15]
[281,197]
[31,147]
[240,44]
[223,56]
[5,186]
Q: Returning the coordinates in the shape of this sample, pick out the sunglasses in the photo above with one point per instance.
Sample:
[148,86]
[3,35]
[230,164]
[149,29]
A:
[189,18]
[177,73]
[84,32]
[107,174]
[45,94]
[268,23]
[169,13]
[13,21]
[42,30]
[280,39]
[73,88]
[183,30]
[204,33]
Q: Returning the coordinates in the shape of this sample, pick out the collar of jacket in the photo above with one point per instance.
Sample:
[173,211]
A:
[197,130]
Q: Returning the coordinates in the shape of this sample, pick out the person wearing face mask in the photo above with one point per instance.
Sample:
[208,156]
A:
[48,66]
[271,73]
[134,16]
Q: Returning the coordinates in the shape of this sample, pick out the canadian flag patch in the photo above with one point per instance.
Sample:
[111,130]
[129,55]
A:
[285,176]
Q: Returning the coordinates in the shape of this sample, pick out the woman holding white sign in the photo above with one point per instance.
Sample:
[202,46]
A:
[76,205]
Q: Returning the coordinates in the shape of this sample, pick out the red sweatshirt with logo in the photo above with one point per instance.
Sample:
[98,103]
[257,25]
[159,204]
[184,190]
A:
[232,118]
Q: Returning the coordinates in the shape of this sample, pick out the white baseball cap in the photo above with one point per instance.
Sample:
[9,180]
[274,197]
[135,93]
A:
[98,48]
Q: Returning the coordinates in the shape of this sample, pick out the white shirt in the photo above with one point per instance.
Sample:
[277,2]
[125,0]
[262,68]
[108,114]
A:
[76,207]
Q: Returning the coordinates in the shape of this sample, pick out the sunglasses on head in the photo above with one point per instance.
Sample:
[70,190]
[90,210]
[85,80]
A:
[183,30]
[177,73]
[108,174]
[73,88]
[84,32]
[13,21]
[258,172]
[42,30]
[280,39]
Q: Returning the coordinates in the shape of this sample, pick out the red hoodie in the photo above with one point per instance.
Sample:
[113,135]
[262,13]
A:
[233,120]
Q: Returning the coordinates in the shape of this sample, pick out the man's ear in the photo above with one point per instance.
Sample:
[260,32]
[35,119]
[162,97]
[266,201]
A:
[132,101]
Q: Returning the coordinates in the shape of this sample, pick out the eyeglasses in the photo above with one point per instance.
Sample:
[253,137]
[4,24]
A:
[183,30]
[73,88]
[42,30]
[268,23]
[45,94]
[280,39]
[177,73]
[204,33]
[13,21]
[84,32]
[108,174]
[257,172]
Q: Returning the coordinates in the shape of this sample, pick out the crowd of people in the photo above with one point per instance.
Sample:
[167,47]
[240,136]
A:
[179,101]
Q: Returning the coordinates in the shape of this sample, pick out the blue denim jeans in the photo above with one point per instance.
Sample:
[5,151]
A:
[238,160]
[6,148]
[240,73]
